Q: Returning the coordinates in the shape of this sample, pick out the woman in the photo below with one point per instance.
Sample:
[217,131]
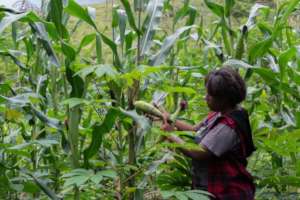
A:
[224,137]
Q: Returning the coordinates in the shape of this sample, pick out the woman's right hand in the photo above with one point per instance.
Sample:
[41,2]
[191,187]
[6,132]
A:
[165,114]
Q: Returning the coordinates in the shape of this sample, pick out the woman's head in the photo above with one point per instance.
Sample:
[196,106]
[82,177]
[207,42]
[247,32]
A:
[225,89]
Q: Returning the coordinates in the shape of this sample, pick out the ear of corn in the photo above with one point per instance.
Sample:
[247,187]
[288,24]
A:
[152,110]
[148,108]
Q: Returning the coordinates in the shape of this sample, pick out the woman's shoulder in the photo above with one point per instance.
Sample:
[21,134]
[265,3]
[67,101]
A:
[234,117]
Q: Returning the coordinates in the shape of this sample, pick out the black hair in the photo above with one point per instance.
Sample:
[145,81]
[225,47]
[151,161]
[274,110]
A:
[226,84]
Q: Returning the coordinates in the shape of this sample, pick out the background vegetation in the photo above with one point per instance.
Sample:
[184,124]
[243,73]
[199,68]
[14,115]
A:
[69,77]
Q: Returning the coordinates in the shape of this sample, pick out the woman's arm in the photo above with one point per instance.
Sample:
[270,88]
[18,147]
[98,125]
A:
[183,126]
[201,154]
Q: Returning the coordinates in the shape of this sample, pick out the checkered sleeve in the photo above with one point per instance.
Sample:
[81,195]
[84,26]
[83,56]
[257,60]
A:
[220,139]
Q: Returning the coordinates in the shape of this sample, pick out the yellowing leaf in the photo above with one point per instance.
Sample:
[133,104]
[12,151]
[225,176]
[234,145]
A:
[12,115]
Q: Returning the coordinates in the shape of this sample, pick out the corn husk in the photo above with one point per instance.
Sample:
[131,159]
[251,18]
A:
[148,108]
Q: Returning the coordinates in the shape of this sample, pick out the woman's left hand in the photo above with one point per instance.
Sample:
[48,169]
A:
[167,127]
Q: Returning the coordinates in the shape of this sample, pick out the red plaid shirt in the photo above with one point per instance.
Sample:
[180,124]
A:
[228,178]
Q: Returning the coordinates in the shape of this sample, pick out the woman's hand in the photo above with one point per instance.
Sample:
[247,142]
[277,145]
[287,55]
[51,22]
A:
[152,117]
[165,125]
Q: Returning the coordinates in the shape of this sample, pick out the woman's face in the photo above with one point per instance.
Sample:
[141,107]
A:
[214,104]
[210,102]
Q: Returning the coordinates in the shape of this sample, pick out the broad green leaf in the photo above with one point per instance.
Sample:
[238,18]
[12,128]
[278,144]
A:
[29,48]
[16,187]
[9,10]
[122,25]
[46,142]
[168,43]
[21,99]
[69,52]
[195,196]
[154,166]
[151,23]
[143,126]
[236,64]
[99,70]
[96,178]
[43,142]
[9,19]
[179,89]
[31,187]
[20,146]
[283,60]
[98,132]
[54,123]
[199,194]
[294,75]
[42,34]
[142,72]
[99,48]
[181,196]
[12,55]
[76,10]
[86,71]
[192,12]
[5,88]
[72,102]
[130,15]
[129,38]
[268,75]
[240,47]
[272,63]
[107,70]
[254,12]
[14,31]
[259,49]
[288,118]
[86,40]
[78,172]
[115,16]
[113,47]
[76,180]
[167,194]
[46,189]
[56,15]
[289,180]
[265,28]
[107,173]
[217,49]
[282,180]
[76,82]
[228,7]
[183,12]
[215,8]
